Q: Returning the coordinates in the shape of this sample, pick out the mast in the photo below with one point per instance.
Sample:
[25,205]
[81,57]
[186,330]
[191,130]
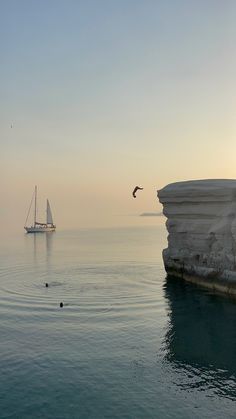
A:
[35,205]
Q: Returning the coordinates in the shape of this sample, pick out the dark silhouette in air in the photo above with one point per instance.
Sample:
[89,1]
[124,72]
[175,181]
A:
[46,285]
[137,188]
[61,304]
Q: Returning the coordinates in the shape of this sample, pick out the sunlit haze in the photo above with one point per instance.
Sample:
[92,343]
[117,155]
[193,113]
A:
[100,96]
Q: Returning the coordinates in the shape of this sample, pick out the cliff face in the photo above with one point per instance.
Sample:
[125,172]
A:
[201,222]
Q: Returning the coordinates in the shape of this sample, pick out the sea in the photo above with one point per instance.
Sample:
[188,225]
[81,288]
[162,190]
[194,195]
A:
[129,342]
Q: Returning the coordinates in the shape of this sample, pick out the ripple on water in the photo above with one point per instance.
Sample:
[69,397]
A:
[120,290]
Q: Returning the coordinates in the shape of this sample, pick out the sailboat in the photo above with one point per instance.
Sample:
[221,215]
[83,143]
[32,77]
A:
[40,227]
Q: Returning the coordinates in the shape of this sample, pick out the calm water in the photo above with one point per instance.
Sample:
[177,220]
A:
[127,344]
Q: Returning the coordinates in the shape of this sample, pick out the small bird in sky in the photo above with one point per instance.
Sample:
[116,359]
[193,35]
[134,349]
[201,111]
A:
[137,188]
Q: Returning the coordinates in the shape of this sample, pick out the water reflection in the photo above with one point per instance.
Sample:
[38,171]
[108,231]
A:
[41,245]
[49,243]
[200,344]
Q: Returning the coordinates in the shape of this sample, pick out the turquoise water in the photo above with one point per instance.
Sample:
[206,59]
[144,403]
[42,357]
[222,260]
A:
[128,343]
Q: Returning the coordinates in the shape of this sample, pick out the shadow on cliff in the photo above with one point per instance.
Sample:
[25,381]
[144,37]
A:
[200,342]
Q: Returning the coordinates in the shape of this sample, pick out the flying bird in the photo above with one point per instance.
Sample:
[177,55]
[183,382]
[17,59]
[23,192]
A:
[135,190]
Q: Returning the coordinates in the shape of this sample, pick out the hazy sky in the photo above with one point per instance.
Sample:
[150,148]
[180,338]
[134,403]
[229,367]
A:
[103,95]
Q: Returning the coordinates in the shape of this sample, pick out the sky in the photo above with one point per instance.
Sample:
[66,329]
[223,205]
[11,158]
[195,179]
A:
[99,96]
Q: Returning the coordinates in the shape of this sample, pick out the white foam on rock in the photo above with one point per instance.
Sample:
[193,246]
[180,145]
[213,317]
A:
[201,222]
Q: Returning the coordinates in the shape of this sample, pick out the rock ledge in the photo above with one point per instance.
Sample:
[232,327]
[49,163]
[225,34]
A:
[201,222]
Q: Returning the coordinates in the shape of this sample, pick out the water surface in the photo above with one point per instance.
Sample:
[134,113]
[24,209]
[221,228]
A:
[128,343]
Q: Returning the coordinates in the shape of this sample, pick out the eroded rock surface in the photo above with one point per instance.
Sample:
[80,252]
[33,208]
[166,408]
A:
[201,222]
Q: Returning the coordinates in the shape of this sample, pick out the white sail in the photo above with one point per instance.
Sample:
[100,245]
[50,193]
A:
[49,214]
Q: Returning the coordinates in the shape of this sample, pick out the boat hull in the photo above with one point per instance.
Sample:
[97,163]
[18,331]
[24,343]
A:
[39,229]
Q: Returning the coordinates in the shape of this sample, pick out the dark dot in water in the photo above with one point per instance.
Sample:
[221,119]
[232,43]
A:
[46,285]
[61,304]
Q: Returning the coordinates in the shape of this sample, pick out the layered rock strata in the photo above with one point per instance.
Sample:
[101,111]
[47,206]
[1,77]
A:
[201,222]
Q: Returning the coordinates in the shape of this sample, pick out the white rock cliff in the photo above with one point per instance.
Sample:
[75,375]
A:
[201,222]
